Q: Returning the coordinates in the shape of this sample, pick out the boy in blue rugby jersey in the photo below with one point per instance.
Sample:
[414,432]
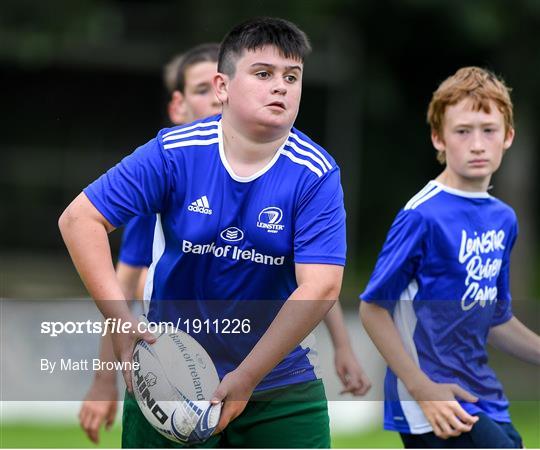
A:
[248,208]
[440,289]
[188,79]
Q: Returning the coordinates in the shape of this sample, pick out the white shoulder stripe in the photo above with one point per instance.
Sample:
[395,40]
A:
[192,127]
[290,143]
[425,190]
[311,147]
[175,137]
[303,162]
[425,198]
[194,142]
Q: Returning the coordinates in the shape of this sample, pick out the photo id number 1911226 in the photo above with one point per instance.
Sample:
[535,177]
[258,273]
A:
[216,326]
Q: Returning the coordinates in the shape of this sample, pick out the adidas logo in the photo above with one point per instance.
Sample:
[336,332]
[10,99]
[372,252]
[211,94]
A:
[200,205]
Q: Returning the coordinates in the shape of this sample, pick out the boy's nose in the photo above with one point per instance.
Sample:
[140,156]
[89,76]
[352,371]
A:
[477,144]
[279,87]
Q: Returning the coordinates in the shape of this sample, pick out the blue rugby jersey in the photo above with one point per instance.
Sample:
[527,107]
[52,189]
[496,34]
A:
[137,241]
[443,274]
[224,237]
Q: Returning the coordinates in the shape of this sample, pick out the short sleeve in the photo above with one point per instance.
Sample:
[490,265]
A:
[137,241]
[137,186]
[399,260]
[503,309]
[319,236]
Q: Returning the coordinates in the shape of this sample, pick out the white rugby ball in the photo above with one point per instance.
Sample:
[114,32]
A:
[173,385]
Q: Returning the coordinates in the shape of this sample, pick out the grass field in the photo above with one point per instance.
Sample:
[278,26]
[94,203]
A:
[526,417]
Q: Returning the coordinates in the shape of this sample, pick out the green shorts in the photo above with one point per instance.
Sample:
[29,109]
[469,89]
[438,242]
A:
[294,416]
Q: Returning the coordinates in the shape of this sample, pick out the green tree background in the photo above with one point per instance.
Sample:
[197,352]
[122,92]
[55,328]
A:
[81,88]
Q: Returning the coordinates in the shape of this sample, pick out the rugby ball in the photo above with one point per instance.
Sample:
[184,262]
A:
[173,382]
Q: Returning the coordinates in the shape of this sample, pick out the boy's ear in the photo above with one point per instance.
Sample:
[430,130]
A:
[510,134]
[177,108]
[438,141]
[220,83]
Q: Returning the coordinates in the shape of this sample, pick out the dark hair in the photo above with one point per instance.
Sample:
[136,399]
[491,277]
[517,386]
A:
[257,33]
[201,53]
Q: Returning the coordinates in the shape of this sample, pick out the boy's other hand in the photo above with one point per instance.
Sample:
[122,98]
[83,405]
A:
[99,406]
[350,373]
[443,411]
[123,345]
[234,391]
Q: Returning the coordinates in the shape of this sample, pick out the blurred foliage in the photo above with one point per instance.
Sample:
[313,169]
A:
[81,87]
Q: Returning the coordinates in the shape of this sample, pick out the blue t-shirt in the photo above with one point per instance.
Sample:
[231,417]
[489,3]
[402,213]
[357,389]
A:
[443,274]
[137,241]
[219,236]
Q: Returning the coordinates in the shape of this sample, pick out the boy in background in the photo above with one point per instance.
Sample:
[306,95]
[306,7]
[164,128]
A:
[188,80]
[440,289]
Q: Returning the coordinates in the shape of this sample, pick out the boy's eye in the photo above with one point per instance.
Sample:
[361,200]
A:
[462,131]
[202,90]
[290,78]
[489,130]
[262,75]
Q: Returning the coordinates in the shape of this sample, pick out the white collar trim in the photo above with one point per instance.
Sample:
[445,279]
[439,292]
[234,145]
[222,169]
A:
[459,192]
[228,167]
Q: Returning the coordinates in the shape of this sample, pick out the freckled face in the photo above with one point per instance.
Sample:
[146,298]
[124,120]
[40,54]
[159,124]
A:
[474,143]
